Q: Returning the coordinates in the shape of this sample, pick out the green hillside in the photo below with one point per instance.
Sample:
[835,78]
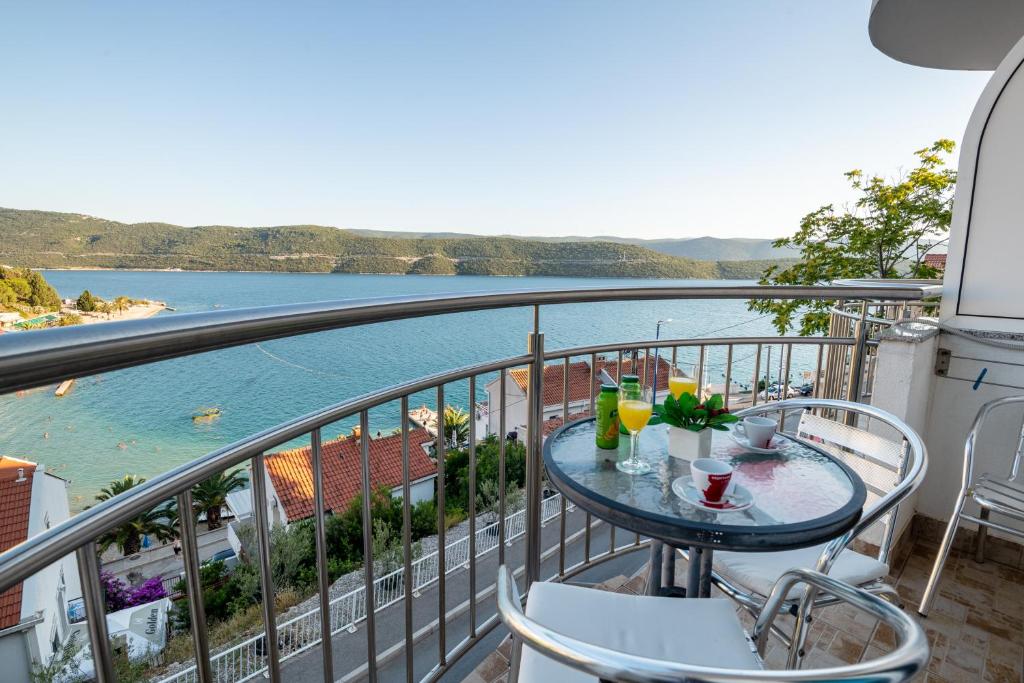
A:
[44,239]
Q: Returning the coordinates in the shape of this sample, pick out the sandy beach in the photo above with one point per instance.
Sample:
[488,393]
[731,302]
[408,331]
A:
[135,312]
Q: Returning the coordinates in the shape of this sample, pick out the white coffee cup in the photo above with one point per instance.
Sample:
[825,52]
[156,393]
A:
[713,478]
[758,431]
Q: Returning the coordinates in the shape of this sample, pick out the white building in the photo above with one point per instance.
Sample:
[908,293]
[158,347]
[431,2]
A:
[290,474]
[516,381]
[34,621]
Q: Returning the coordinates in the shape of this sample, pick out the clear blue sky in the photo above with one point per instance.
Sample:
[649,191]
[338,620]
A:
[669,119]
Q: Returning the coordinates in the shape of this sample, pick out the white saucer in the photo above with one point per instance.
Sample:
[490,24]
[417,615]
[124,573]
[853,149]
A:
[739,499]
[755,449]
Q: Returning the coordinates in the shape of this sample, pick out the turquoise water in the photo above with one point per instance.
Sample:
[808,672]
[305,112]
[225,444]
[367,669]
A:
[139,420]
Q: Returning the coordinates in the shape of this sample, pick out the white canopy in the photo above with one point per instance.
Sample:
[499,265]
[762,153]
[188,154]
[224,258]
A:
[947,34]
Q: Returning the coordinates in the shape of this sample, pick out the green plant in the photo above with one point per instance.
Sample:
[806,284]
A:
[886,234]
[211,495]
[688,413]
[128,537]
[63,665]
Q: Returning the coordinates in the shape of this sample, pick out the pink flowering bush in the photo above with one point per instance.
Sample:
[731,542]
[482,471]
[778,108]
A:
[120,596]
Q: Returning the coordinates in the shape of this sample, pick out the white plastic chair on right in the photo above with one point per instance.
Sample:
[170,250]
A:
[1000,494]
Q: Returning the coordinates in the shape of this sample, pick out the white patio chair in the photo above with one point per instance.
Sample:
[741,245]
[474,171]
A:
[890,471]
[1003,495]
[572,634]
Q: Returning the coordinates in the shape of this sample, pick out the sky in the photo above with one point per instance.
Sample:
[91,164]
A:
[652,119]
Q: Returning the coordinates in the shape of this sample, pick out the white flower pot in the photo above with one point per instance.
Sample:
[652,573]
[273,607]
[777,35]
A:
[682,443]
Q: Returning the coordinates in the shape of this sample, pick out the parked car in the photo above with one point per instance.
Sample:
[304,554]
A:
[227,556]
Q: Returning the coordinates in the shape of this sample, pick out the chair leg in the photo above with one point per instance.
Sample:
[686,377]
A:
[979,553]
[940,559]
[516,654]
[800,629]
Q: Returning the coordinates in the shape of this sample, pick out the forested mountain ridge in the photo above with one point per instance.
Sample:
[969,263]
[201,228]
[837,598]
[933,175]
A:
[44,239]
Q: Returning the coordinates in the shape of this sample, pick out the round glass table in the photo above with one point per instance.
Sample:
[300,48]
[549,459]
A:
[801,496]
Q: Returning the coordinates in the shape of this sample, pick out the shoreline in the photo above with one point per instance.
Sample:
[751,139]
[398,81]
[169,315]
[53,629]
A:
[328,272]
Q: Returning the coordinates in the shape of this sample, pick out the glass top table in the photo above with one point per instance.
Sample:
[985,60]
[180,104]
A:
[802,496]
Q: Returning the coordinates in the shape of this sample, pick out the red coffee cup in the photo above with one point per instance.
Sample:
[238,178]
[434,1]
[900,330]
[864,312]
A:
[713,478]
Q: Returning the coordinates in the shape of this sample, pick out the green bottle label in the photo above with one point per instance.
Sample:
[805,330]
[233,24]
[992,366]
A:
[607,419]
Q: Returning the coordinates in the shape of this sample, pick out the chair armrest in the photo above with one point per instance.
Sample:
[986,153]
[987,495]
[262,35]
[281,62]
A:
[613,665]
[912,652]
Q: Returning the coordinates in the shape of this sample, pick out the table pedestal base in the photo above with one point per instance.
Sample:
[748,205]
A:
[661,577]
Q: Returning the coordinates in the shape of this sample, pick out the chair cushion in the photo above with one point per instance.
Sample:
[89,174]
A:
[704,632]
[758,572]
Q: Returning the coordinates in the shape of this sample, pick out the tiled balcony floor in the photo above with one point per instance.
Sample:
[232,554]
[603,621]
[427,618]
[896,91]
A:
[975,628]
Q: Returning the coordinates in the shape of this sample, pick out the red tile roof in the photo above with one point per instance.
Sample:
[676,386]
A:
[551,424]
[15,504]
[292,474]
[937,261]
[579,377]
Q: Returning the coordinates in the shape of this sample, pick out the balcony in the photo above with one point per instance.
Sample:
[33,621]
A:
[432,615]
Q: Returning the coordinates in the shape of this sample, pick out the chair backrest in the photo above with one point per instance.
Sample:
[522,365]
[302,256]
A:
[901,664]
[890,470]
[878,461]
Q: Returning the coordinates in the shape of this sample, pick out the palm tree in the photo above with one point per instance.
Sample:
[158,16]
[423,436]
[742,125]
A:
[121,303]
[211,495]
[456,426]
[128,536]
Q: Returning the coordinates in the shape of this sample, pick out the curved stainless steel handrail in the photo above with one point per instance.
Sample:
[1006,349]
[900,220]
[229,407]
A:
[901,664]
[40,551]
[48,356]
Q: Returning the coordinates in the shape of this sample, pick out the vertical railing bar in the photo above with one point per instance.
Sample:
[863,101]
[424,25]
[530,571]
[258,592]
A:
[675,353]
[565,419]
[194,586]
[472,517]
[817,372]
[757,379]
[95,612]
[728,373]
[534,467]
[565,390]
[700,373]
[586,541]
[323,578]
[593,381]
[442,566]
[259,495]
[501,472]
[618,369]
[407,531]
[785,379]
[647,360]
[370,598]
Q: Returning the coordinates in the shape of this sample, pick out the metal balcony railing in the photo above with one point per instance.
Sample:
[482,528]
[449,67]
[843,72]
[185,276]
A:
[33,359]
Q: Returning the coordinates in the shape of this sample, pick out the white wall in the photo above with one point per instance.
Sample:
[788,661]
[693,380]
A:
[515,406]
[418,490]
[40,593]
[982,278]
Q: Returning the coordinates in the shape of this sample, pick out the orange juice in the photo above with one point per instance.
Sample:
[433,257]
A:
[635,414]
[680,385]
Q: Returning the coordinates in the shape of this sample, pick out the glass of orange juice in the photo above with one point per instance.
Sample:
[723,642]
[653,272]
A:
[635,407]
[682,382]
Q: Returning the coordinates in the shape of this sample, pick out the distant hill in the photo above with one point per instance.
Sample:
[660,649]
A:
[46,239]
[700,248]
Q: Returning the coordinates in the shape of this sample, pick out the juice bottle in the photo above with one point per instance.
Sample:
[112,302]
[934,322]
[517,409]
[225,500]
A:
[608,417]
[626,379]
